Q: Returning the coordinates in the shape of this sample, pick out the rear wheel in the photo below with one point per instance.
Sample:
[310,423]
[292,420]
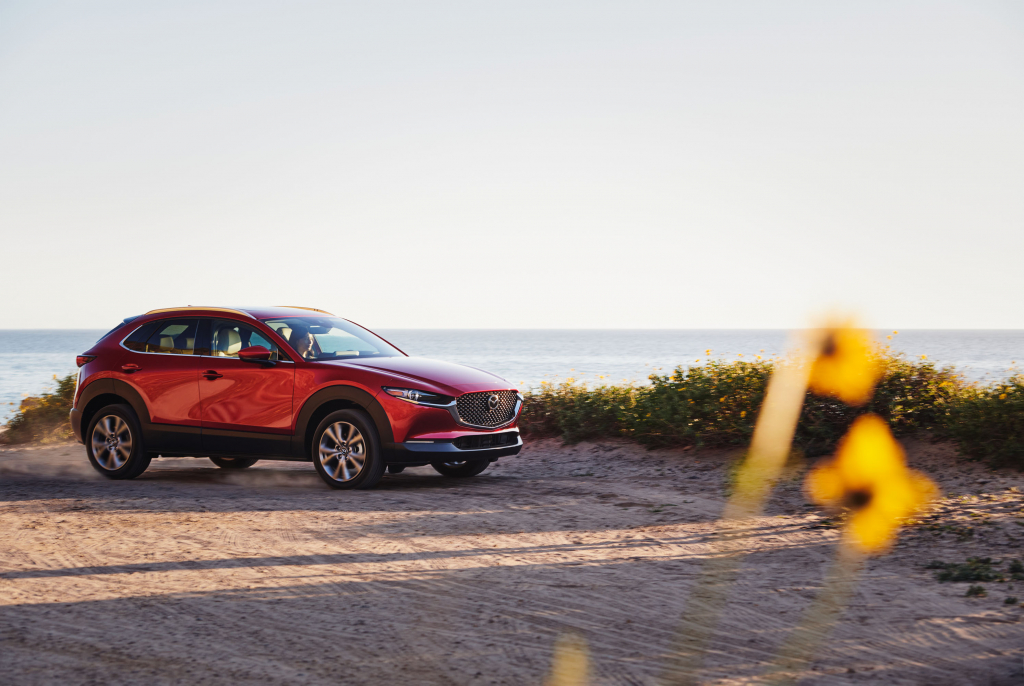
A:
[234,462]
[115,445]
[461,468]
[346,450]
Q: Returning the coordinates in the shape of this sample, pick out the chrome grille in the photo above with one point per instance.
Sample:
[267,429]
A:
[474,408]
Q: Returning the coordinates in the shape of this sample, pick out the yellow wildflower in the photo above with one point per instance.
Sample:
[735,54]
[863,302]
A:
[743,414]
[1002,396]
[869,476]
[845,367]
[924,357]
[570,665]
[708,351]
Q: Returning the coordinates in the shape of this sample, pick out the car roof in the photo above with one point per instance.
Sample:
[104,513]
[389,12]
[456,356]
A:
[267,312]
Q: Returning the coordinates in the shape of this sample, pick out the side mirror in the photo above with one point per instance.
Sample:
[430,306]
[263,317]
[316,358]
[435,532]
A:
[254,353]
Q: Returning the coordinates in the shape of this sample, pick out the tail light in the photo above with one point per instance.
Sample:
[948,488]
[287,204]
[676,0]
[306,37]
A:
[83,360]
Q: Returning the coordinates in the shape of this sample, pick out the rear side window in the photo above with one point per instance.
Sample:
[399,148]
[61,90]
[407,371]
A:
[168,336]
[229,336]
[137,341]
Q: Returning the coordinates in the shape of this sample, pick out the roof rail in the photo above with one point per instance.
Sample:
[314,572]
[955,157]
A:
[311,309]
[200,307]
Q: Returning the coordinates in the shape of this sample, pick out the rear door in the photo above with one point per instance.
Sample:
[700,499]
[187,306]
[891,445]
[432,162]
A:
[246,406]
[163,366]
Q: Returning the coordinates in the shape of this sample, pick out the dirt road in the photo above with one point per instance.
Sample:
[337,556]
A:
[193,575]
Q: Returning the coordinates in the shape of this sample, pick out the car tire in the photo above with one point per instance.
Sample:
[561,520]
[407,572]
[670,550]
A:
[114,443]
[234,462]
[346,450]
[461,468]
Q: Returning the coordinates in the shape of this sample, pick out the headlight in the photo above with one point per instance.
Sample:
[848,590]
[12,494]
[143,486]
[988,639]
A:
[419,397]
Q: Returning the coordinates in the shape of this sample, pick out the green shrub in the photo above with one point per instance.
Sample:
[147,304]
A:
[987,423]
[575,412]
[44,418]
[975,569]
[715,404]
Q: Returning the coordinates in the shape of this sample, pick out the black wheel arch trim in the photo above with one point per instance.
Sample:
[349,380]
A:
[349,394]
[81,415]
[134,399]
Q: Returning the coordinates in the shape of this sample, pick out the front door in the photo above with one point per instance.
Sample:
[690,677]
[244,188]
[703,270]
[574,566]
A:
[246,406]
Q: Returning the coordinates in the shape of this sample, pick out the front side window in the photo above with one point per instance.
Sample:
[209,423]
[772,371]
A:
[168,336]
[229,336]
[330,338]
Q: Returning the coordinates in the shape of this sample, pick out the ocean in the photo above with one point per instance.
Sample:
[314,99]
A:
[29,359]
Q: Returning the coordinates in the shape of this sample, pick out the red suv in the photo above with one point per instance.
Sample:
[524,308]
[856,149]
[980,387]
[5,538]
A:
[284,383]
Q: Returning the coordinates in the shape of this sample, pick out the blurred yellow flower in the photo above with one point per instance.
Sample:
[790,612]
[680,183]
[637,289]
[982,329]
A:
[845,368]
[743,414]
[570,664]
[924,357]
[708,351]
[1002,396]
[869,477]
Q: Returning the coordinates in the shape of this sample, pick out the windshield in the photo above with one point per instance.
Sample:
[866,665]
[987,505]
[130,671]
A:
[330,338]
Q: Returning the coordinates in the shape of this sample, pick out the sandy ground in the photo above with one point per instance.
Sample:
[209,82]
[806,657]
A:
[194,575]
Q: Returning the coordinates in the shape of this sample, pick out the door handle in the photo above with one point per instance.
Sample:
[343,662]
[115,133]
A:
[130,367]
[212,374]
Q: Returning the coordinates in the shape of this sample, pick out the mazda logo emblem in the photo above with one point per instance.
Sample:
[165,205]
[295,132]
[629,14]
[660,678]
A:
[492,402]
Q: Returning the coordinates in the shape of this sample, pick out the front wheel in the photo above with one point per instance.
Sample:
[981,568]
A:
[461,468]
[346,450]
[115,446]
[233,462]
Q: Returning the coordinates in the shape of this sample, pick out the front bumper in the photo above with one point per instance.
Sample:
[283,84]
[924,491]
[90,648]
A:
[421,452]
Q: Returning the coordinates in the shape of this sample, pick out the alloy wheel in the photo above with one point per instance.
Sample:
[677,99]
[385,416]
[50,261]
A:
[342,451]
[111,442]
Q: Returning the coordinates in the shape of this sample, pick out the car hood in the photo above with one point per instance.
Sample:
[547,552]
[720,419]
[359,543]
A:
[446,377]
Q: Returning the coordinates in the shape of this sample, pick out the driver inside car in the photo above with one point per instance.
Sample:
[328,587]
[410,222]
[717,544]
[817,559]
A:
[302,341]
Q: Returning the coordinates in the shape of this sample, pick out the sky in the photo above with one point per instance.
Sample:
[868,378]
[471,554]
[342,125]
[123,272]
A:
[515,164]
